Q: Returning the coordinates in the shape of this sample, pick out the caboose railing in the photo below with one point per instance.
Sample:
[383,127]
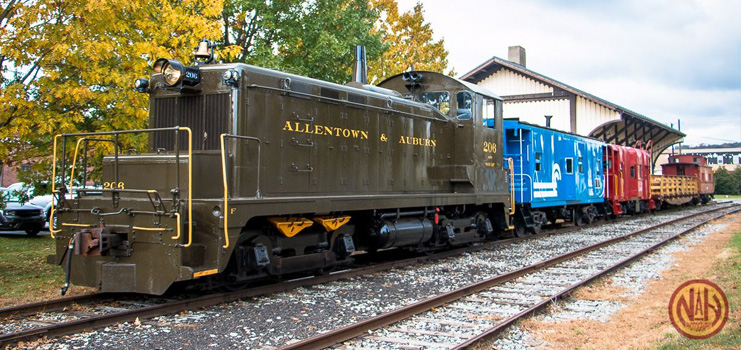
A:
[59,194]
[224,167]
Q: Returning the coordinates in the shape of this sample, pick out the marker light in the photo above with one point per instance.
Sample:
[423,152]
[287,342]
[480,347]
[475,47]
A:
[230,77]
[141,85]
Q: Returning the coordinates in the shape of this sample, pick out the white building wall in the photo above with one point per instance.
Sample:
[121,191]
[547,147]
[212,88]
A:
[506,82]
[534,112]
[590,115]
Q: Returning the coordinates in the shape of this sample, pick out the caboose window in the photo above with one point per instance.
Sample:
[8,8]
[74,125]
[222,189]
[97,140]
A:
[538,156]
[581,165]
[569,165]
[633,172]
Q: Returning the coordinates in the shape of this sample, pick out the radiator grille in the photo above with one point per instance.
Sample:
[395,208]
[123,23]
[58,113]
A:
[206,115]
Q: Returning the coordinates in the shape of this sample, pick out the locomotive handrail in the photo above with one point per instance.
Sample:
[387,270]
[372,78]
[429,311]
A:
[115,135]
[52,231]
[511,165]
[224,147]
[447,118]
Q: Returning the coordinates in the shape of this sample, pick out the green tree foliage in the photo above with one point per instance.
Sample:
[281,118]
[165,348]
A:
[727,182]
[68,66]
[312,38]
[410,42]
[736,174]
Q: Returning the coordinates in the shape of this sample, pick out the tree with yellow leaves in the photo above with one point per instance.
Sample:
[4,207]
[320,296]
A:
[68,66]
[409,41]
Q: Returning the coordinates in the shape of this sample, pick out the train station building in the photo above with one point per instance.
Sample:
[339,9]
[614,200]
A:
[537,99]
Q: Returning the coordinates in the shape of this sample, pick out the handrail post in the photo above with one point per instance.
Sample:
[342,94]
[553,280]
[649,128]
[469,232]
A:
[225,182]
[177,159]
[115,155]
[84,163]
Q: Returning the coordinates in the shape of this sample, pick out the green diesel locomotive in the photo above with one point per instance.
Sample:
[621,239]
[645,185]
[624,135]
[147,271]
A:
[254,173]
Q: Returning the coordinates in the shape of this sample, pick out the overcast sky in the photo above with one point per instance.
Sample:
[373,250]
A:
[667,60]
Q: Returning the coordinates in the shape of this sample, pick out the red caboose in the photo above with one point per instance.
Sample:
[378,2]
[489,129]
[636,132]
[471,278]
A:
[627,180]
[694,166]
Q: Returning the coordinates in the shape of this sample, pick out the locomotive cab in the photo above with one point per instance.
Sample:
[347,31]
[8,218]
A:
[476,115]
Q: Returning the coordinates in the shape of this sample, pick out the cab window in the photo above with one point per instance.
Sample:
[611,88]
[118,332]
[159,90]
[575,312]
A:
[464,107]
[489,116]
[437,99]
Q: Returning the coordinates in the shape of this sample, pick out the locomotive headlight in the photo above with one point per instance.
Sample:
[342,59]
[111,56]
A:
[173,71]
[230,77]
[141,85]
[175,75]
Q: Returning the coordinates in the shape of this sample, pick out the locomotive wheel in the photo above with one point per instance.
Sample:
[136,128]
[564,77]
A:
[577,217]
[520,227]
[536,229]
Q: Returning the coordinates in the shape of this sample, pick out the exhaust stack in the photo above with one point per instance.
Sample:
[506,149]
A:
[360,70]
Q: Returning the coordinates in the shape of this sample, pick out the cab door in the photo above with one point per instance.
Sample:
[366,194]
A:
[464,171]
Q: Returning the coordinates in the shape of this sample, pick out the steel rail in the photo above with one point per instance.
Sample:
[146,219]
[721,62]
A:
[51,305]
[544,303]
[214,299]
[351,331]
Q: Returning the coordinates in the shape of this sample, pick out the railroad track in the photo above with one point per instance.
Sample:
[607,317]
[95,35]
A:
[467,315]
[75,314]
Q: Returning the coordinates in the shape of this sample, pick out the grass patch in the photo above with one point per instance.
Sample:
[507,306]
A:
[729,278]
[720,197]
[24,268]
[24,274]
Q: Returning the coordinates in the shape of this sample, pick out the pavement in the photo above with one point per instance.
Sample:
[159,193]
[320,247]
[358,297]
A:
[44,232]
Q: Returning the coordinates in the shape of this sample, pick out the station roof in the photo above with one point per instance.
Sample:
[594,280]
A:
[631,126]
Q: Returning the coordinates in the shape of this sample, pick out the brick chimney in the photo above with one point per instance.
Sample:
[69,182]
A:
[517,55]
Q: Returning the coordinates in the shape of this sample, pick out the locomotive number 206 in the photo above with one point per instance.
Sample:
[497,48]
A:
[490,147]
[113,185]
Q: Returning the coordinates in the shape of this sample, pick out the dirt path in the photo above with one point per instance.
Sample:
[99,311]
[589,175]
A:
[643,322]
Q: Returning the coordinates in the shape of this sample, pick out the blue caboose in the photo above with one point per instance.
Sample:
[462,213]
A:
[557,175]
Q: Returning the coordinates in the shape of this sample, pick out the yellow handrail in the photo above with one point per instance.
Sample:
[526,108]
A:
[74,161]
[177,216]
[511,163]
[190,185]
[223,138]
[52,231]
[226,192]
[190,176]
[154,229]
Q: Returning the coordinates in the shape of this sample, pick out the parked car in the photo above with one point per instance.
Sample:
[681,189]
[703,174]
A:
[44,201]
[20,216]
